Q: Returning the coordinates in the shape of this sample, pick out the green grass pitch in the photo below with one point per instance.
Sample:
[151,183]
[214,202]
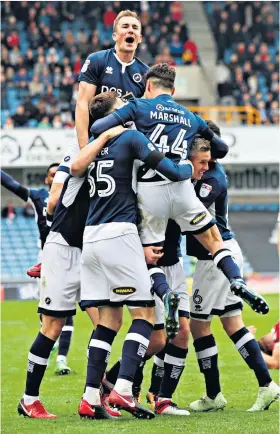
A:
[61,395]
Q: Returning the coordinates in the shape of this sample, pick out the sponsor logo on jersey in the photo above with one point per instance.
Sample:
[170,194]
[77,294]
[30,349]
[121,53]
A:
[124,291]
[137,77]
[109,70]
[205,190]
[85,66]
[109,89]
[159,107]
[198,218]
[67,158]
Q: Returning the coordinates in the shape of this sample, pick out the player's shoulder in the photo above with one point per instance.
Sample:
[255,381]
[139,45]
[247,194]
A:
[216,175]
[144,68]
[100,55]
[38,193]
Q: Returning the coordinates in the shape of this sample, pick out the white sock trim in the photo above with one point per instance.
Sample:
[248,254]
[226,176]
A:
[92,395]
[155,270]
[100,344]
[159,362]
[207,353]
[221,255]
[246,338]
[37,359]
[28,400]
[67,328]
[138,338]
[174,360]
[61,359]
[123,387]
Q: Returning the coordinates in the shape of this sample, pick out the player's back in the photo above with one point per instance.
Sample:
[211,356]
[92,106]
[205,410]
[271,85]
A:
[112,198]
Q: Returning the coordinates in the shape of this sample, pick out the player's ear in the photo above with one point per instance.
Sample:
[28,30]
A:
[114,36]
[140,39]
[148,86]
[173,91]
[46,180]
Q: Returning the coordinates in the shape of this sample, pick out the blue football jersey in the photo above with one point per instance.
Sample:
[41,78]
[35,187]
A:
[170,126]
[212,190]
[106,71]
[70,213]
[39,198]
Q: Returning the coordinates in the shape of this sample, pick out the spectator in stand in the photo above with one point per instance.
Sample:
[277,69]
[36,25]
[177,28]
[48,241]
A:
[10,75]
[9,212]
[165,57]
[45,123]
[30,109]
[29,59]
[49,97]
[177,10]
[237,35]
[9,124]
[109,17]
[144,54]
[223,41]
[39,66]
[13,39]
[20,118]
[41,111]
[176,47]
[262,111]
[190,52]
[56,123]
[14,56]
[35,86]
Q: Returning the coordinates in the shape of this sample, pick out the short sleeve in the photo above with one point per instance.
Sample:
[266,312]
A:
[207,191]
[64,168]
[128,112]
[92,69]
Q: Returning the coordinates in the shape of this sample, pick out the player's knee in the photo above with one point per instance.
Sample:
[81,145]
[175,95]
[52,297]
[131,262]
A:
[182,338]
[232,324]
[51,327]
[157,342]
[200,328]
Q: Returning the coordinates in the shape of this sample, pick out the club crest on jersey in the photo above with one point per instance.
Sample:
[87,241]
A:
[205,190]
[109,70]
[85,66]
[198,218]
[124,291]
[137,77]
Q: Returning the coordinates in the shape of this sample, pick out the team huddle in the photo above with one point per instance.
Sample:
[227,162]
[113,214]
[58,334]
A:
[144,173]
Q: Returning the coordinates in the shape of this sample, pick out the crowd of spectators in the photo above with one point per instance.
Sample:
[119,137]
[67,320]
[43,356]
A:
[247,37]
[45,43]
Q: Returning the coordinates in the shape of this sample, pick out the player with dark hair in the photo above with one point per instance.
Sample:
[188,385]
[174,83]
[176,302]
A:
[172,128]
[39,199]
[113,271]
[212,296]
[60,278]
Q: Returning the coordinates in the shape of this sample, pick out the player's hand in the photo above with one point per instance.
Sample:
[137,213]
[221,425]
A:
[114,132]
[252,329]
[153,254]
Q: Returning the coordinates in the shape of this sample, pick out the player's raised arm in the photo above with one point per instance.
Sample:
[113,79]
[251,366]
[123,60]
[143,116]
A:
[88,153]
[15,187]
[85,94]
[122,115]
[148,153]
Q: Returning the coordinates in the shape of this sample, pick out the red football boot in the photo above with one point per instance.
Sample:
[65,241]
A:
[89,411]
[34,411]
[130,404]
[34,271]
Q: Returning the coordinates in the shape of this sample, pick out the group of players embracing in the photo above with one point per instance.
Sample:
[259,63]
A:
[119,204]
